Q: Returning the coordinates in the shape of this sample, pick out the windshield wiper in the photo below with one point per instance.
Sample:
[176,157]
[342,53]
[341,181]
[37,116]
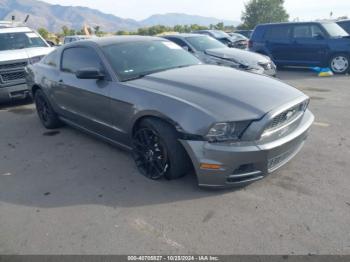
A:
[142,75]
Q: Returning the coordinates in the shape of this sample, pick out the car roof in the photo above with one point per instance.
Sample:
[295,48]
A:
[184,35]
[296,23]
[208,30]
[110,40]
[19,29]
[78,36]
[343,21]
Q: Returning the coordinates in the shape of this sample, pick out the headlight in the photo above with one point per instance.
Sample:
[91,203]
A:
[227,131]
[35,59]
[257,70]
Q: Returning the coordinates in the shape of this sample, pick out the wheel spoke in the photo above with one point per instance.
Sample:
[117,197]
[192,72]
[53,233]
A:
[149,154]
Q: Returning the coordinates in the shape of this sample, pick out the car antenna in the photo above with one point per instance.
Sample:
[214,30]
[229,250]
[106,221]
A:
[26,19]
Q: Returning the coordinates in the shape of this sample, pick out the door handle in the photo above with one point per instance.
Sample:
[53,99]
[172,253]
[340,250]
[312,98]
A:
[60,81]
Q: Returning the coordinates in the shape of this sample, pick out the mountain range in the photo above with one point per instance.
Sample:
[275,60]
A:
[53,17]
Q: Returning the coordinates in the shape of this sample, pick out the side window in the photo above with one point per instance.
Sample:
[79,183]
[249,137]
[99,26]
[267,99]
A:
[316,31]
[277,33]
[307,31]
[302,31]
[51,59]
[76,58]
[178,42]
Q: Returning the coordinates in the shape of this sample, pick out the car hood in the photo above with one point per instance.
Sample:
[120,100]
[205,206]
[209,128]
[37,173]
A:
[20,54]
[239,55]
[225,93]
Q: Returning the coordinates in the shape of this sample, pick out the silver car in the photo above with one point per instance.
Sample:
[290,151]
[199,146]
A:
[211,51]
[174,113]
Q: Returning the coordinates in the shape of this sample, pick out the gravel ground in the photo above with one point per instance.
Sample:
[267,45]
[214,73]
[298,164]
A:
[64,192]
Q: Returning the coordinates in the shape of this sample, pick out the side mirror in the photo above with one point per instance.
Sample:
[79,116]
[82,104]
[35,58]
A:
[89,73]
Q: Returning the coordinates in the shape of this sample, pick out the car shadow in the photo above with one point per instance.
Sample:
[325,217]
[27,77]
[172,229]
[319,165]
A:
[295,73]
[65,167]
[288,73]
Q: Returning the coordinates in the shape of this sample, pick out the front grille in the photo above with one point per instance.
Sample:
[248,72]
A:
[280,160]
[286,117]
[12,66]
[12,72]
[9,77]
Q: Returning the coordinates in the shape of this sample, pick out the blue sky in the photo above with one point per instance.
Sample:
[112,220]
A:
[224,9]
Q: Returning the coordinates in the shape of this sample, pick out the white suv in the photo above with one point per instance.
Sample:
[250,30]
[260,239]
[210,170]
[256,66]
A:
[19,46]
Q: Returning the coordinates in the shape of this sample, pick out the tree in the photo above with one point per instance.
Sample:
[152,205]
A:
[67,32]
[219,26]
[97,30]
[263,11]
[43,32]
[121,32]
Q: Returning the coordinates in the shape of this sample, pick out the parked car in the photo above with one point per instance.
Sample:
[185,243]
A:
[246,33]
[345,24]
[19,46]
[241,41]
[51,43]
[306,44]
[74,38]
[148,95]
[211,51]
[221,36]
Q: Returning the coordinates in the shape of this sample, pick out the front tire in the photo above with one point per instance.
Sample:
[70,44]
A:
[46,114]
[157,151]
[339,63]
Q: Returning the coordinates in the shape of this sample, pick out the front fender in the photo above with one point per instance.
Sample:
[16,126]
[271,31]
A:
[187,118]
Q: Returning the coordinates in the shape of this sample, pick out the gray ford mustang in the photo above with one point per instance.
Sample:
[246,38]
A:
[148,95]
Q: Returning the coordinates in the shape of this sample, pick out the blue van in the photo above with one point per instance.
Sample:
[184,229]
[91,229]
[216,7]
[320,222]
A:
[304,44]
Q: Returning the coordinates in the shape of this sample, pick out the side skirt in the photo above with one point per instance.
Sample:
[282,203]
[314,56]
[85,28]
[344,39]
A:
[85,130]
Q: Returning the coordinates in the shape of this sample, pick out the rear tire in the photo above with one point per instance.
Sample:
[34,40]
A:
[157,151]
[339,63]
[46,114]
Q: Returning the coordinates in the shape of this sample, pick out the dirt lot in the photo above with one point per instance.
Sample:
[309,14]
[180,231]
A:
[64,192]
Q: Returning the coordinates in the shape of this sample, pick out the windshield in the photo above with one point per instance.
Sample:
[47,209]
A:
[220,34]
[136,59]
[12,41]
[334,30]
[237,37]
[202,43]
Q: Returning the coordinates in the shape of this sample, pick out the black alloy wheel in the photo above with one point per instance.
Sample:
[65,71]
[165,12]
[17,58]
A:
[47,115]
[150,153]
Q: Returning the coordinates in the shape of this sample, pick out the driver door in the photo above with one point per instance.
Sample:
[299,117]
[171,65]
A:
[310,45]
[85,102]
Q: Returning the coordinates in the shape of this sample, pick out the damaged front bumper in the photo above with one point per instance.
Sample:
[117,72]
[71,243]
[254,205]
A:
[242,163]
